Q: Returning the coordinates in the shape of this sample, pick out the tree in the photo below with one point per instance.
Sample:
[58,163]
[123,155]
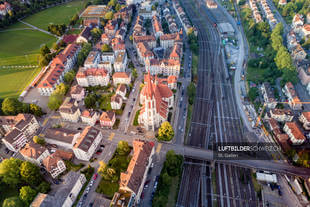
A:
[117,7]
[10,171]
[44,50]
[134,73]
[96,34]
[11,106]
[130,37]
[61,89]
[90,101]
[106,48]
[12,202]
[44,60]
[54,102]
[27,194]
[253,93]
[38,140]
[69,77]
[30,173]
[123,148]
[173,163]
[36,110]
[102,167]
[283,59]
[44,187]
[165,132]
[109,15]
[112,2]
[191,92]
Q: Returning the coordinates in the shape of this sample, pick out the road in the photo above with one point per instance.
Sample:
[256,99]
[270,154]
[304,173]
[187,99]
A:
[41,30]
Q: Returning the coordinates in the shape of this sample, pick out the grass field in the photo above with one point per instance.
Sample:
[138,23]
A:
[57,15]
[20,46]
[22,42]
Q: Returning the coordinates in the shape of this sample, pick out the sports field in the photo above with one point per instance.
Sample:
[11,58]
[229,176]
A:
[20,46]
[56,15]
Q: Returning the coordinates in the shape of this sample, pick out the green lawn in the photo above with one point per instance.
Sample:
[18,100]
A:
[56,15]
[22,42]
[107,188]
[14,80]
[173,192]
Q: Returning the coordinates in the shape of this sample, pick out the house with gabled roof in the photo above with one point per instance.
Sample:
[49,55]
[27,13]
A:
[87,143]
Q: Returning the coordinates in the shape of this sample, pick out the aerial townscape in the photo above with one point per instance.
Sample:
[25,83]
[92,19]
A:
[123,103]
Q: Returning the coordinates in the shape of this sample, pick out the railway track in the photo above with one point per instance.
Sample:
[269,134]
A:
[215,119]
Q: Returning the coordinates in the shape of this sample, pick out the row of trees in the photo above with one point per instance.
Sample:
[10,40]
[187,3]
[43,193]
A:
[283,58]
[172,168]
[293,7]
[57,29]
[83,53]
[12,106]
[25,176]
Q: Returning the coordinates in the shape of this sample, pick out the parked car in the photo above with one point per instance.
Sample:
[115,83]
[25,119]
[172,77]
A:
[95,176]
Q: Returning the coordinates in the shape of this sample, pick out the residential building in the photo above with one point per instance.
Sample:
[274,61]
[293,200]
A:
[92,59]
[144,52]
[306,31]
[5,7]
[66,193]
[60,65]
[87,143]
[121,61]
[293,100]
[34,153]
[84,36]
[105,39]
[122,90]
[25,122]
[156,99]
[77,92]
[165,67]
[116,102]
[121,78]
[295,134]
[54,165]
[211,4]
[304,75]
[149,39]
[282,115]
[156,25]
[69,110]
[92,77]
[107,119]
[305,119]
[108,56]
[298,20]
[273,124]
[14,140]
[118,46]
[89,117]
[134,178]
[268,95]
[172,82]
[168,40]
[62,137]
[282,2]
[111,27]
[18,129]
[298,53]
